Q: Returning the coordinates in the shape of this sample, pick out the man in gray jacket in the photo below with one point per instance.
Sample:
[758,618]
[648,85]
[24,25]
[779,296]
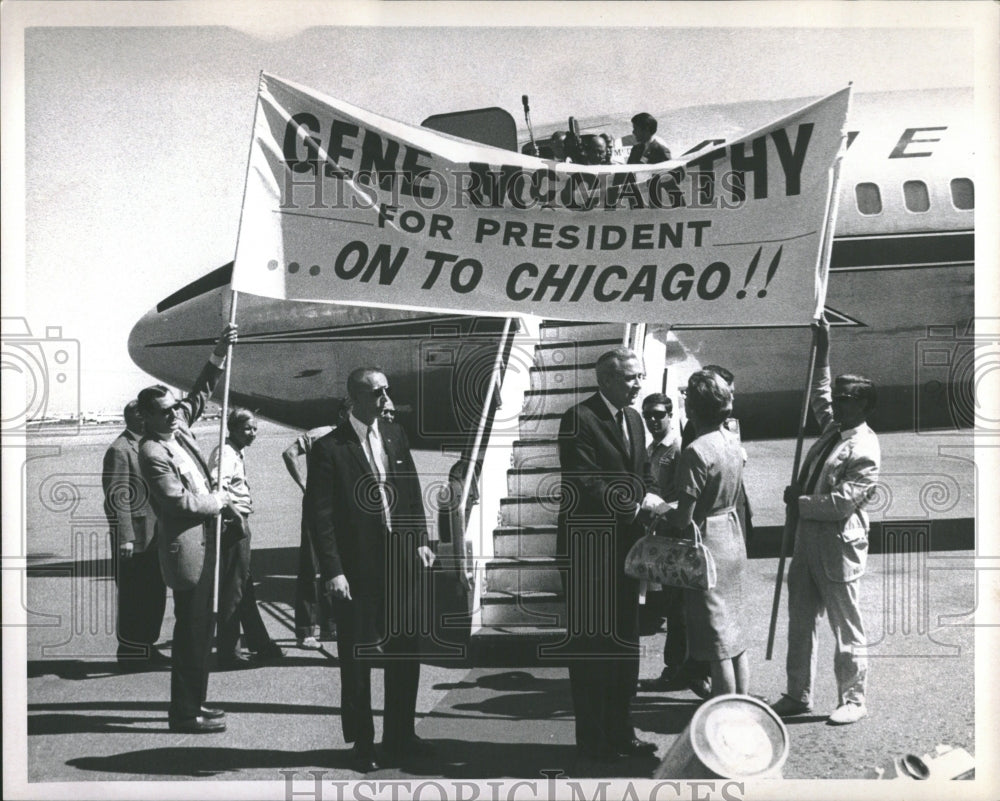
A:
[142,595]
[180,487]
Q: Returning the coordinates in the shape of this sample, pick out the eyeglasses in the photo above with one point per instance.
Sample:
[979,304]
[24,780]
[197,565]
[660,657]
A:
[651,415]
[845,397]
[171,409]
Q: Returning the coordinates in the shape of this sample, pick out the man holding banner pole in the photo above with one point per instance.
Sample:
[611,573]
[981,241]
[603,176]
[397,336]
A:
[186,507]
[826,506]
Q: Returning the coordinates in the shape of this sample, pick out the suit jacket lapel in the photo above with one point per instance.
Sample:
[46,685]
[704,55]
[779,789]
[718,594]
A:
[611,428]
[637,438]
[355,448]
[185,440]
[810,465]
[389,446]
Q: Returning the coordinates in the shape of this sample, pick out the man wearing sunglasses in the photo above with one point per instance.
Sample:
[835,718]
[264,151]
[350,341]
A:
[835,483]
[662,452]
[365,509]
[180,489]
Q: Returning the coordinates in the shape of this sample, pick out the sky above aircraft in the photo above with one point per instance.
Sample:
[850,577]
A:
[137,125]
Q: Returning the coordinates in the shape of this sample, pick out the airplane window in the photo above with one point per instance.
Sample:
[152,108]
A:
[963,194]
[915,196]
[868,197]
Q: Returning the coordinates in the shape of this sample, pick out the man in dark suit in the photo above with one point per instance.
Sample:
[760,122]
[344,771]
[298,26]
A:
[648,147]
[142,595]
[366,510]
[180,486]
[607,494]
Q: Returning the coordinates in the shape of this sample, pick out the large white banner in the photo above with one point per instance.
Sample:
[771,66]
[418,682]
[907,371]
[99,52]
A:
[342,204]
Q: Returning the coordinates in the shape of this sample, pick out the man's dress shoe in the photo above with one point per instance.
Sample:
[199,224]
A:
[211,714]
[787,707]
[269,653]
[198,725]
[669,679]
[362,760]
[635,747]
[237,660]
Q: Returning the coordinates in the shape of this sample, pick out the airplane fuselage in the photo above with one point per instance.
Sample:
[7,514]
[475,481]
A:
[901,287]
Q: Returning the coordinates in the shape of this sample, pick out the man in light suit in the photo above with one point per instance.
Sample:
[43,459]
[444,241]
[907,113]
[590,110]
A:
[831,540]
[607,494]
[365,508]
[180,486]
[142,595]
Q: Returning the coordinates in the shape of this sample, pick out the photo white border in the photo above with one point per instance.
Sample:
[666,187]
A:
[256,17]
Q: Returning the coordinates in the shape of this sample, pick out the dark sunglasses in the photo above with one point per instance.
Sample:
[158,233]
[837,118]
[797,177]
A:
[166,409]
[654,415]
[845,397]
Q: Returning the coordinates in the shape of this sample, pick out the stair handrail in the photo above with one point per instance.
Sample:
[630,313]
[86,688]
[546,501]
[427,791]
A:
[466,574]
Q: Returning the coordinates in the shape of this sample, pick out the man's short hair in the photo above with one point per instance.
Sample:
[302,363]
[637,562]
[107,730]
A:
[609,360]
[149,394]
[358,375]
[238,417]
[132,407]
[721,372]
[709,397]
[645,120]
[658,399]
[862,388]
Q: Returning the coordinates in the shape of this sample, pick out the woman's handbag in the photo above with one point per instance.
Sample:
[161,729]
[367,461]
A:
[676,562]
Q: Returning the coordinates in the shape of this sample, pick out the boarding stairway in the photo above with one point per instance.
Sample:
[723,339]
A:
[521,600]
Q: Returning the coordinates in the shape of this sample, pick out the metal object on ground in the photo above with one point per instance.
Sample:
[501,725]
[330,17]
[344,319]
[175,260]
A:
[947,762]
[729,737]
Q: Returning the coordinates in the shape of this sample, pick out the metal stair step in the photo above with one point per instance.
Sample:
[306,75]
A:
[539,426]
[532,482]
[556,400]
[559,353]
[522,541]
[535,453]
[523,574]
[524,608]
[561,376]
[529,511]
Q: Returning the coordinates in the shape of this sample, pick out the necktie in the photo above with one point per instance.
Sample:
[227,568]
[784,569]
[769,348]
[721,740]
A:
[822,455]
[623,428]
[377,457]
[375,454]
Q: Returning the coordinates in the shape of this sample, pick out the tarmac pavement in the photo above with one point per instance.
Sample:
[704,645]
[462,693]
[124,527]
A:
[485,722]
[488,722]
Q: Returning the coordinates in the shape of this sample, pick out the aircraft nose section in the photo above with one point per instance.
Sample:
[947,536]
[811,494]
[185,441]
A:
[142,336]
[172,341]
